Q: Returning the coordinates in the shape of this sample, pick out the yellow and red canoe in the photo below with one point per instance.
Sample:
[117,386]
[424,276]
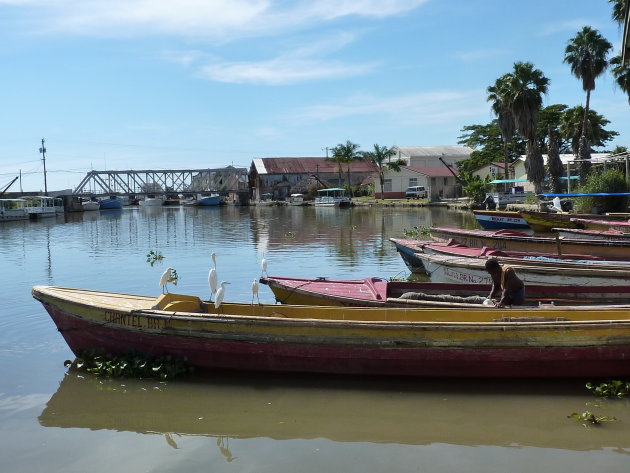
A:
[542,341]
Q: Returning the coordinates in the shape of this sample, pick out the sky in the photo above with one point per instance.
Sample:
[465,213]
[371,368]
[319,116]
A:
[191,84]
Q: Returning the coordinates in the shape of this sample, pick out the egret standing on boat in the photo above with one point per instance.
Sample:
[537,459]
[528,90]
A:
[263,266]
[220,295]
[255,291]
[166,276]
[212,276]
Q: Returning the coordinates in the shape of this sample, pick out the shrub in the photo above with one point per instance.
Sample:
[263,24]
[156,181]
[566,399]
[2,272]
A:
[610,180]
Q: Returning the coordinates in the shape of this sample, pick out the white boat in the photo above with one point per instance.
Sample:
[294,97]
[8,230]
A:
[13,209]
[152,201]
[333,197]
[514,196]
[296,199]
[41,206]
[90,205]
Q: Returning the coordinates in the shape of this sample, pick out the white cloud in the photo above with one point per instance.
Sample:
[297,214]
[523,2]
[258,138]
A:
[468,56]
[565,26]
[212,19]
[422,108]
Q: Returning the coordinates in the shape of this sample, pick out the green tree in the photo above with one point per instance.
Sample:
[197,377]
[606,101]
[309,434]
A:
[586,56]
[488,144]
[621,73]
[554,164]
[609,180]
[381,156]
[345,153]
[549,120]
[571,128]
[522,92]
[505,119]
[618,10]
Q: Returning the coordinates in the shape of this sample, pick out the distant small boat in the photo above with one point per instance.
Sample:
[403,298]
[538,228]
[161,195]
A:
[297,199]
[151,201]
[90,205]
[13,209]
[332,197]
[493,219]
[113,202]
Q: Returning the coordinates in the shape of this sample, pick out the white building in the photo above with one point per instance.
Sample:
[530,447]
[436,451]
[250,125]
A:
[439,182]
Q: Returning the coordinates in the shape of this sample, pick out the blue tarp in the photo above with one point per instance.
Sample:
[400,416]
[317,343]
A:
[582,194]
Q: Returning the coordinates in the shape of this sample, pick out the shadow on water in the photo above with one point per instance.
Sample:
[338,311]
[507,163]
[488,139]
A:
[508,413]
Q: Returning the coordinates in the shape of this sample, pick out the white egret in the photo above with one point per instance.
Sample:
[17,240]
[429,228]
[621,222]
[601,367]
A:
[166,276]
[220,295]
[212,276]
[263,266]
[255,291]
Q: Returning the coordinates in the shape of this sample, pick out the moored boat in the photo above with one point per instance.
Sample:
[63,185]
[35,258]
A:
[13,209]
[492,219]
[512,240]
[546,221]
[332,197]
[151,201]
[377,292]
[90,205]
[297,200]
[543,341]
[41,206]
[111,203]
[592,234]
[595,224]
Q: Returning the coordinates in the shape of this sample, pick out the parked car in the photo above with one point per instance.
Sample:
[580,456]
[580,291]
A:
[416,192]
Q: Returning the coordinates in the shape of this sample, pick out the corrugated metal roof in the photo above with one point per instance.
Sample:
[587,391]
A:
[306,166]
[433,171]
[435,151]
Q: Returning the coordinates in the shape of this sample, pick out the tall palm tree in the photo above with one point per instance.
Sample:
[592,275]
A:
[504,117]
[618,10]
[522,92]
[346,153]
[381,156]
[586,55]
[621,73]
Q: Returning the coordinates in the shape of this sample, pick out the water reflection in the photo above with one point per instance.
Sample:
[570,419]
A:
[402,411]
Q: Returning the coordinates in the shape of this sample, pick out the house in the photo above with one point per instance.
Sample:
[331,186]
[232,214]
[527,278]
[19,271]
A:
[278,176]
[429,156]
[439,181]
[493,170]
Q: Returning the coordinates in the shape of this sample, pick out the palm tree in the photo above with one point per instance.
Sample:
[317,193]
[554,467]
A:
[571,128]
[619,10]
[621,73]
[554,164]
[586,55]
[504,117]
[346,154]
[381,158]
[521,91]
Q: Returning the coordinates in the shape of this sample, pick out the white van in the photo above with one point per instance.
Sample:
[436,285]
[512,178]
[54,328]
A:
[416,192]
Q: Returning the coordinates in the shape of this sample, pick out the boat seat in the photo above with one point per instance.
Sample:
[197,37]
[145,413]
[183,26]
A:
[178,303]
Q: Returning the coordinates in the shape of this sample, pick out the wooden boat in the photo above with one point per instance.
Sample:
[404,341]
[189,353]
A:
[492,219]
[547,221]
[594,224]
[376,292]
[592,234]
[543,341]
[512,240]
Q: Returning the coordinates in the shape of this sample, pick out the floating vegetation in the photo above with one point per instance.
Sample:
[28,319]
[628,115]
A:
[174,277]
[588,417]
[417,232]
[154,257]
[130,365]
[611,388]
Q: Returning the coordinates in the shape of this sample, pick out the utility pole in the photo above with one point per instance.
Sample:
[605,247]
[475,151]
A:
[43,151]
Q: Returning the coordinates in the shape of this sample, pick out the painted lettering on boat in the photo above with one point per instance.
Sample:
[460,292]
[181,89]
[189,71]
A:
[132,320]
[465,278]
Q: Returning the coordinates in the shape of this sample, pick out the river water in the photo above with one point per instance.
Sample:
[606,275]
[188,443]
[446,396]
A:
[54,420]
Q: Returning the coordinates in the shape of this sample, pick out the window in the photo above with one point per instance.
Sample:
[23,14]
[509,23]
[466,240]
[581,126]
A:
[387,185]
[413,181]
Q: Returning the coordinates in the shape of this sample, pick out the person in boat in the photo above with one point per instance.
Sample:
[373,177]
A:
[489,203]
[505,283]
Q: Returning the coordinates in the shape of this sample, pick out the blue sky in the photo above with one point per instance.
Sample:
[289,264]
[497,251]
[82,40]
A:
[140,84]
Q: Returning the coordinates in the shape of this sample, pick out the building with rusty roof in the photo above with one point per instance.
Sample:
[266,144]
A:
[280,176]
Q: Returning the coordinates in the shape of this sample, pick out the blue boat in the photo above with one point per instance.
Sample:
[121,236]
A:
[495,219]
[112,202]
[209,200]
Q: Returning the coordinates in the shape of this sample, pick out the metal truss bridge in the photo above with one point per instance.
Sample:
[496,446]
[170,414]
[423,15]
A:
[153,181]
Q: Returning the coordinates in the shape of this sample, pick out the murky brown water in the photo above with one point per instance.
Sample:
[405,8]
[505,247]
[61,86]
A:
[54,420]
